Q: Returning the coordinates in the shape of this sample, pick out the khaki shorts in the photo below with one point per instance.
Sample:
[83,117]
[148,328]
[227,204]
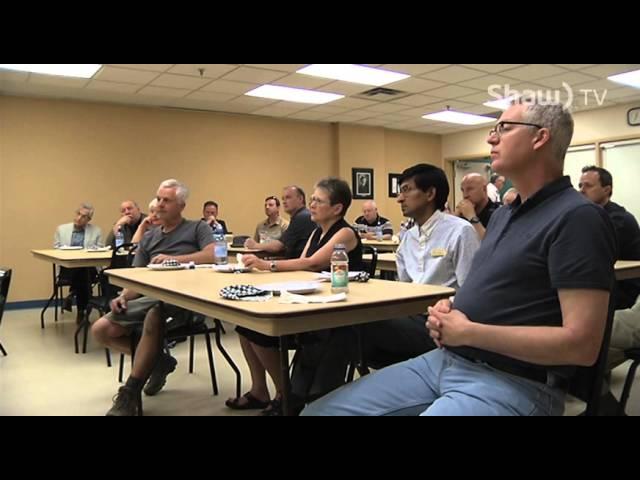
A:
[137,311]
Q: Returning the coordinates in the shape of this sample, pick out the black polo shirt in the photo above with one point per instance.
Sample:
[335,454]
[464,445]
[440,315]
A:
[556,240]
[296,236]
[487,211]
[385,223]
[628,233]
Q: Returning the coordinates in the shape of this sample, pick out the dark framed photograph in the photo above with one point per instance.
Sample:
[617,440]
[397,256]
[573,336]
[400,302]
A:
[394,184]
[362,179]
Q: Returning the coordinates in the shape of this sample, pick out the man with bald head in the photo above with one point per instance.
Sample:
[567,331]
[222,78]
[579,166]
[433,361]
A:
[130,219]
[476,207]
[371,221]
[294,239]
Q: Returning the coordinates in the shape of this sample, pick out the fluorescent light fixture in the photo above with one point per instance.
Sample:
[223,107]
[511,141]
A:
[62,69]
[289,94]
[353,73]
[500,103]
[631,79]
[460,118]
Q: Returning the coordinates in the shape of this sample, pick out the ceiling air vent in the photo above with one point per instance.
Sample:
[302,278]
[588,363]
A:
[381,94]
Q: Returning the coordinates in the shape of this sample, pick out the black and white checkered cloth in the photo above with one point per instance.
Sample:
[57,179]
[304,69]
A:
[240,292]
[171,263]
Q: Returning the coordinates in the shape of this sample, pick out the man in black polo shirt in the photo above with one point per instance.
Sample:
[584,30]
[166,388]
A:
[294,239]
[533,307]
[597,185]
[371,221]
[476,207]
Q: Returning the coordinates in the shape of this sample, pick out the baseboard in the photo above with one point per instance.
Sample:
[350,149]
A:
[26,305]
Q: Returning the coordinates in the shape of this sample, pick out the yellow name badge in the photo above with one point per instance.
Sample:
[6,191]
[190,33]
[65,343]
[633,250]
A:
[438,252]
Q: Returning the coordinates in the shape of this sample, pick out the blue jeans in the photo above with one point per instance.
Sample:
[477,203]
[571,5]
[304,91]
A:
[440,383]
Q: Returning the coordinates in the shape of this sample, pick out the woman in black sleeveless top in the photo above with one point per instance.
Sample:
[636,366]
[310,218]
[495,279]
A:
[329,204]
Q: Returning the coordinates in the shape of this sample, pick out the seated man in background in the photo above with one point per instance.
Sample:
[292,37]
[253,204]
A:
[496,183]
[294,239]
[372,223]
[80,233]
[476,207]
[597,185]
[274,226]
[176,239]
[437,250]
[127,224]
[210,215]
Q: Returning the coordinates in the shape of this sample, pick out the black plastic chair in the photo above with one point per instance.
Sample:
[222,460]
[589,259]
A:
[373,265]
[5,282]
[633,355]
[197,325]
[108,292]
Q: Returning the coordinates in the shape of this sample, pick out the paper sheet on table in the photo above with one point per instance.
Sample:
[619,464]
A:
[286,297]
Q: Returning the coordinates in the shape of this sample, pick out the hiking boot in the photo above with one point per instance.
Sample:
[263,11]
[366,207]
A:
[125,403]
[166,364]
[67,303]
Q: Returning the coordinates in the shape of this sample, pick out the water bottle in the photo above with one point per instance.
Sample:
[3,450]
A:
[379,233]
[119,238]
[339,269]
[220,245]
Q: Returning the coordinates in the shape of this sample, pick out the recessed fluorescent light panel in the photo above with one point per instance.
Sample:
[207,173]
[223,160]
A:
[289,94]
[353,73]
[500,103]
[80,70]
[631,79]
[460,118]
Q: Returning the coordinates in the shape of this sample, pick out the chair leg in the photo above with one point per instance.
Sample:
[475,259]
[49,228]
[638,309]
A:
[192,348]
[4,352]
[626,391]
[121,369]
[212,367]
[108,354]
[226,356]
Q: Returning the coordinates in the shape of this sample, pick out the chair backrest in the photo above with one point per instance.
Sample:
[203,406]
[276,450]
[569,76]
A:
[118,257]
[587,382]
[5,282]
[366,249]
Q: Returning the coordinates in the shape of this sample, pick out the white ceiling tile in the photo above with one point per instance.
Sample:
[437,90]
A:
[349,116]
[179,81]
[253,75]
[395,117]
[483,83]
[57,81]
[279,67]
[379,121]
[344,88]
[533,72]
[112,86]
[452,74]
[576,66]
[298,80]
[414,68]
[492,67]
[254,102]
[622,93]
[480,109]
[452,91]
[415,85]
[330,109]
[599,85]
[309,115]
[279,110]
[478,98]
[387,107]
[211,96]
[125,75]
[163,92]
[353,103]
[416,100]
[151,67]
[604,71]
[211,70]
[225,86]
[570,78]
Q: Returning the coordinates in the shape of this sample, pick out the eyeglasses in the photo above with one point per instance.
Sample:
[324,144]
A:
[405,189]
[318,201]
[499,129]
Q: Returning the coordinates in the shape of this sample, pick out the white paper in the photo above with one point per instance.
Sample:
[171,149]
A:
[286,297]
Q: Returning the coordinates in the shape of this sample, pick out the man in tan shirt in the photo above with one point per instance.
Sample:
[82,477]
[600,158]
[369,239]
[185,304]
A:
[274,226]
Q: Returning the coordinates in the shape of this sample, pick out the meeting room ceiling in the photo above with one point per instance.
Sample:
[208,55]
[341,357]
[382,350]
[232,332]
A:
[430,88]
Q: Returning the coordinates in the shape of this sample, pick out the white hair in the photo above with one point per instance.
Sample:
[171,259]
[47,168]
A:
[182,192]
[153,203]
[87,206]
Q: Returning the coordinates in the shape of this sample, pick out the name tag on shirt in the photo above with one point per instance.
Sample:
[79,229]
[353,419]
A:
[438,252]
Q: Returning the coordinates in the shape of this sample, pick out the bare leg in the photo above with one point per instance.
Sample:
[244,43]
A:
[259,387]
[112,335]
[150,345]
[270,358]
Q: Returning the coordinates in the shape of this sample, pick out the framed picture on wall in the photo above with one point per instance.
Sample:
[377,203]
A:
[362,180]
[394,184]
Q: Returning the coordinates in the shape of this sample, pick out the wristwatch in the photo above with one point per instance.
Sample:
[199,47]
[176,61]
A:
[272,266]
[474,220]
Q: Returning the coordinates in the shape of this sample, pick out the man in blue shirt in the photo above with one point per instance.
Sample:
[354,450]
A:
[534,306]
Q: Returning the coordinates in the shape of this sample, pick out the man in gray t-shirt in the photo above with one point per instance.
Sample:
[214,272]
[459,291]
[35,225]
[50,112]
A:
[178,240]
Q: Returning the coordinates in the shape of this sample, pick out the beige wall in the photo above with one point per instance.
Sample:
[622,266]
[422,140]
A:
[387,151]
[55,154]
[590,126]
